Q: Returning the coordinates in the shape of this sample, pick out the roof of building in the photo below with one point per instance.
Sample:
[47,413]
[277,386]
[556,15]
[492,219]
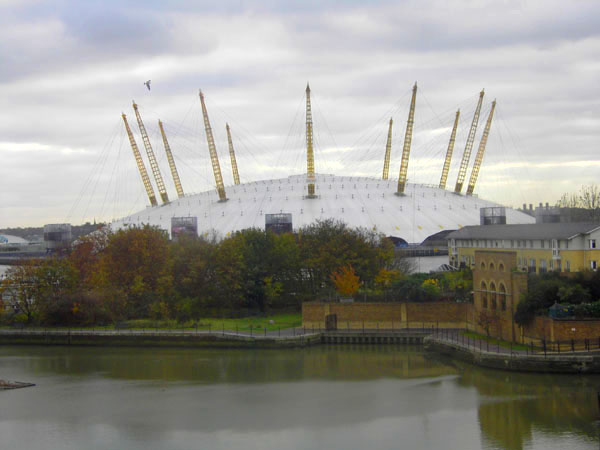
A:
[525,231]
[8,239]
[358,201]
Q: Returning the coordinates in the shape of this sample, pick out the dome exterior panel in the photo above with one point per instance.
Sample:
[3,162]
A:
[358,201]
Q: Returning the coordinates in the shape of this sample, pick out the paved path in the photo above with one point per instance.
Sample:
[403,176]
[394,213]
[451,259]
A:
[455,337]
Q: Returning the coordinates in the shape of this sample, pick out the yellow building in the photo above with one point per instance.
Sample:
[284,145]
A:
[540,247]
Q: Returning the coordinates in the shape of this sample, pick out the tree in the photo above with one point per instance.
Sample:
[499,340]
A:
[487,320]
[56,283]
[541,294]
[194,272]
[19,287]
[573,294]
[345,280]
[587,199]
[136,263]
[385,278]
[327,245]
[458,284]
[431,289]
[86,251]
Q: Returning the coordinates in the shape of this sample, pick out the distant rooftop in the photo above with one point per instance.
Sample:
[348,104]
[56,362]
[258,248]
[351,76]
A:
[525,231]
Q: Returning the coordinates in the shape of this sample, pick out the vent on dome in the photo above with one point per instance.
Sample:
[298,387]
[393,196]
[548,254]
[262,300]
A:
[184,226]
[278,223]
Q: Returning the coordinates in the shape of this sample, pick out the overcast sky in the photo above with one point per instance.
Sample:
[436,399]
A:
[69,68]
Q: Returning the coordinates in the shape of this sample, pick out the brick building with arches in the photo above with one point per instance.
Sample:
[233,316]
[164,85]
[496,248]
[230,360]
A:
[497,288]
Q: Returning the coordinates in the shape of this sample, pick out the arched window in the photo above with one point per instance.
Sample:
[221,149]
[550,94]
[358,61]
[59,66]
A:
[482,265]
[484,295]
[500,267]
[502,295]
[492,266]
[493,295]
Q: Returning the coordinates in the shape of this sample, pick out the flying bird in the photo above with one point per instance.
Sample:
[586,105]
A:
[147,84]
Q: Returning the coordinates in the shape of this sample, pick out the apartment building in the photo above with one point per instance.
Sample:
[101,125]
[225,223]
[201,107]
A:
[539,247]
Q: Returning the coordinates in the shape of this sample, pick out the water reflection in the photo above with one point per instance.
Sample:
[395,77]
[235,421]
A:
[322,397]
[232,366]
[517,405]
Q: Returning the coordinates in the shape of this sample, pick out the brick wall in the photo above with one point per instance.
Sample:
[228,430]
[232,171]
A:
[561,330]
[564,330]
[386,315]
[354,316]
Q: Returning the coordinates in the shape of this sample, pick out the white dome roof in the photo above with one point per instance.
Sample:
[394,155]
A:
[7,239]
[357,201]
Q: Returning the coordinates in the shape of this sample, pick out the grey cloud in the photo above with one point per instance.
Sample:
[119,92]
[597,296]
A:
[67,85]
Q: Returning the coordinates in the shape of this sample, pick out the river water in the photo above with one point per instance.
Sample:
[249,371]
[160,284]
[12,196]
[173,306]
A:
[336,397]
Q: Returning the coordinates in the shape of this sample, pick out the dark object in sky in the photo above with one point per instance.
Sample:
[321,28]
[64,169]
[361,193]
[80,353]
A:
[147,83]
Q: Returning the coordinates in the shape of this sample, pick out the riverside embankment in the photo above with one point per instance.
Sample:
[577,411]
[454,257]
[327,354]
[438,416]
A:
[300,337]
[516,361]
[154,338]
[450,343]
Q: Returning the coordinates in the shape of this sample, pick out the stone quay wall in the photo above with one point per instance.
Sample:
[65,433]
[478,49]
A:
[565,363]
[152,339]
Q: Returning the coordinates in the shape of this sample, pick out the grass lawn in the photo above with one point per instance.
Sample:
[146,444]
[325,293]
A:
[494,341]
[259,323]
[255,323]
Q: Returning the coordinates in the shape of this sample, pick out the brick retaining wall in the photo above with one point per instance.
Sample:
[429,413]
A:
[354,316]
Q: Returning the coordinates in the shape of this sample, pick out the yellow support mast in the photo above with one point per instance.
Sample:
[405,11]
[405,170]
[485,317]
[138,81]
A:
[140,163]
[448,160]
[160,185]
[462,173]
[388,152]
[213,153]
[234,167]
[310,156]
[172,166]
[407,142]
[480,151]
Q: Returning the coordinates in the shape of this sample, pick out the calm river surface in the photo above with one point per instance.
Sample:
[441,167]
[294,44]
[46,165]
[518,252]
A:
[328,398]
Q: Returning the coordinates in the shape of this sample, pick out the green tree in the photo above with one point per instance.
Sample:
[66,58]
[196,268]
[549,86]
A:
[457,285]
[194,274]
[541,294]
[327,245]
[136,263]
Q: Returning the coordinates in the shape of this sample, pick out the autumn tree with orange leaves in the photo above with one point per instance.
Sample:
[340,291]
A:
[346,282]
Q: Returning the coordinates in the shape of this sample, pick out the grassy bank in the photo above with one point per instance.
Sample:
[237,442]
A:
[494,341]
[257,324]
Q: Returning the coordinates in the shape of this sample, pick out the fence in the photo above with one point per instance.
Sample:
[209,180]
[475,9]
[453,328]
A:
[493,345]
[454,336]
[254,332]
